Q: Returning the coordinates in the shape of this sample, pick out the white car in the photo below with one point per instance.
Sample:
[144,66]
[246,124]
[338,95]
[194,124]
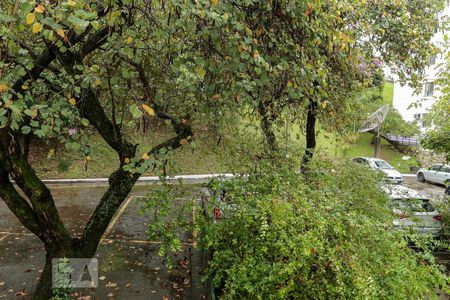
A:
[437,173]
[392,174]
[414,211]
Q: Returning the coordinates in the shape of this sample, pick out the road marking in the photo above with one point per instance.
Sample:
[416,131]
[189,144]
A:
[14,233]
[142,242]
[116,218]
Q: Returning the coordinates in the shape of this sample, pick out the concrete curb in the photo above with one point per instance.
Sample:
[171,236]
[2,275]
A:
[143,179]
[198,178]
[409,175]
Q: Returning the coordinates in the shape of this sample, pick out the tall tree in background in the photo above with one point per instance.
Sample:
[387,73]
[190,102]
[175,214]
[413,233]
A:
[309,57]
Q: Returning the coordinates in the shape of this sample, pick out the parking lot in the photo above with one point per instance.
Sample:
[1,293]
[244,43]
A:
[428,189]
[129,266]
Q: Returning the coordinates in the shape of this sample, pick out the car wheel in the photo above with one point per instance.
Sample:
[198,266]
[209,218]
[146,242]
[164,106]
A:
[421,177]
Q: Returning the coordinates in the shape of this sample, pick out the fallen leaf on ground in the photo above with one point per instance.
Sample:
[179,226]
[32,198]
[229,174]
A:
[111,284]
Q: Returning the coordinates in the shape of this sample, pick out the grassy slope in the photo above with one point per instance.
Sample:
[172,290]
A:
[207,157]
[388,93]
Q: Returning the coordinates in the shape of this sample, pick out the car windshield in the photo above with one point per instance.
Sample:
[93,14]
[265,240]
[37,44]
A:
[381,164]
[413,205]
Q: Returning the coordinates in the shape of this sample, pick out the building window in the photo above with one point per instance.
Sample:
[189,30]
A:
[432,60]
[429,89]
[425,120]
[421,120]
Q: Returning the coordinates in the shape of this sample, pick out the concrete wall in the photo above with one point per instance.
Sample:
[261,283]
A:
[427,158]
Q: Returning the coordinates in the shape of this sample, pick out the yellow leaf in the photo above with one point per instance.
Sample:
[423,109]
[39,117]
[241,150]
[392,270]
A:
[37,27]
[51,152]
[34,113]
[145,156]
[129,40]
[214,2]
[148,109]
[72,101]
[184,142]
[61,32]
[39,9]
[324,105]
[24,87]
[127,160]
[3,87]
[88,158]
[71,3]
[30,18]
[97,82]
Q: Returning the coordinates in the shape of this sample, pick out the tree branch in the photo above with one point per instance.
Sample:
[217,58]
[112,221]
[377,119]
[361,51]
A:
[18,205]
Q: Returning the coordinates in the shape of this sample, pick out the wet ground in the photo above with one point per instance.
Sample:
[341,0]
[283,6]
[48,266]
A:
[129,267]
[431,190]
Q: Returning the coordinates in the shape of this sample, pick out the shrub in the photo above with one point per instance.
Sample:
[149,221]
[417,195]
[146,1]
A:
[323,235]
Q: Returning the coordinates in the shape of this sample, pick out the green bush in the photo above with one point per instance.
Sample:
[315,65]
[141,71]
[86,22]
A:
[324,235]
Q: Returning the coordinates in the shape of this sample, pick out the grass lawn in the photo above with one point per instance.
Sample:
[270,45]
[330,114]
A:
[363,147]
[206,157]
[388,93]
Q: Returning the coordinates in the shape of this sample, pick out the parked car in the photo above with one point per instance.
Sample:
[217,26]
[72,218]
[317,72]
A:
[378,164]
[414,211]
[438,173]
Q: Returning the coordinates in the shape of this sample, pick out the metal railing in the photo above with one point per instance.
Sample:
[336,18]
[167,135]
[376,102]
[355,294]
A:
[403,140]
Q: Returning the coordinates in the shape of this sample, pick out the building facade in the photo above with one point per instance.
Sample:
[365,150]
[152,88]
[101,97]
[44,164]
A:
[415,105]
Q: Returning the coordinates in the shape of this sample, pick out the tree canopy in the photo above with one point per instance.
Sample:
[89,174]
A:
[70,67]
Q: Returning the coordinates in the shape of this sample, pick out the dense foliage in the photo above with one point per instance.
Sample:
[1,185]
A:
[437,138]
[282,235]
[327,236]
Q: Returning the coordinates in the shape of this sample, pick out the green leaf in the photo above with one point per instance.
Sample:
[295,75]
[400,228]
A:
[26,129]
[135,111]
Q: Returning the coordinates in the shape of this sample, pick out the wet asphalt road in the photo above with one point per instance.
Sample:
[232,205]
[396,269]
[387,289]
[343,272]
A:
[129,267]
[431,190]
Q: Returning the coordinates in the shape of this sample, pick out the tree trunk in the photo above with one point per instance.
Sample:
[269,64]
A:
[310,133]
[44,288]
[72,250]
[267,128]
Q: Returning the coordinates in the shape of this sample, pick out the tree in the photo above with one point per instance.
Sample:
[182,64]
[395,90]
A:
[437,138]
[55,58]
[309,57]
